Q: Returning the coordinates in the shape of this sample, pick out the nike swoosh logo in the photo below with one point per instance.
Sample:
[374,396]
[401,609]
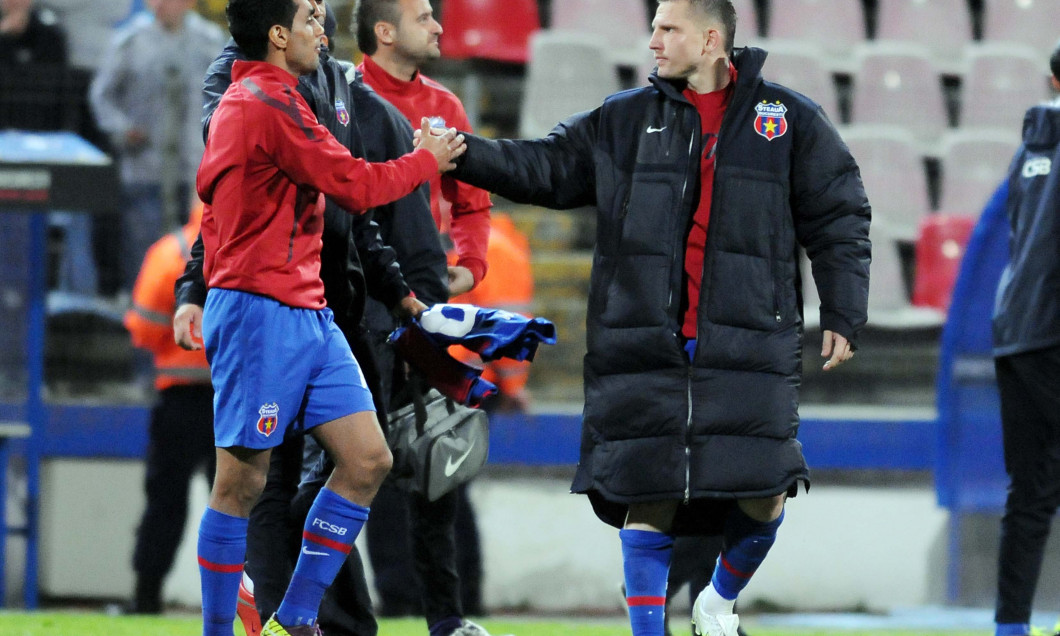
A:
[451,466]
[652,129]
[306,550]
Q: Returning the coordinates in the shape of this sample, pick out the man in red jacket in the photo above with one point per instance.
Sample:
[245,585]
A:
[397,37]
[278,363]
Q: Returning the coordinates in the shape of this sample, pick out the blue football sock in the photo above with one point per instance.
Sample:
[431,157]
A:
[646,561]
[330,530]
[1012,629]
[222,549]
[745,546]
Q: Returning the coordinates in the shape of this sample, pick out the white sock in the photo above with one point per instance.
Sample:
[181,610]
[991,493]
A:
[713,603]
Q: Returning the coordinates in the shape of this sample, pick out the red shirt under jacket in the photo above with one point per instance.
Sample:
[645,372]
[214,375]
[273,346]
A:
[468,207]
[267,161]
[711,107]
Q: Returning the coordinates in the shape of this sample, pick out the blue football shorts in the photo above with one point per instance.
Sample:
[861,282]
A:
[276,370]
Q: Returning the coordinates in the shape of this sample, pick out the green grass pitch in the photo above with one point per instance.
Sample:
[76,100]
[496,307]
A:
[98,624]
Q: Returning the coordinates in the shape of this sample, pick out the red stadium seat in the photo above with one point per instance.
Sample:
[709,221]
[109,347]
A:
[939,249]
[497,30]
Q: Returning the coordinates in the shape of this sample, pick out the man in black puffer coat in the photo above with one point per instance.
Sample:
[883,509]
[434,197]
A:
[705,184]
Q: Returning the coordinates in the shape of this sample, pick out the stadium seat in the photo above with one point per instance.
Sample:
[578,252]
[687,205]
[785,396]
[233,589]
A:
[837,25]
[497,30]
[894,175]
[623,24]
[898,85]
[1000,83]
[973,161]
[939,250]
[887,291]
[568,72]
[944,27]
[799,66]
[889,305]
[1028,22]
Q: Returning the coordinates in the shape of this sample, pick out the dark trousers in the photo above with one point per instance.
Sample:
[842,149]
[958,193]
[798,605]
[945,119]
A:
[180,442]
[434,545]
[1029,385]
[412,535]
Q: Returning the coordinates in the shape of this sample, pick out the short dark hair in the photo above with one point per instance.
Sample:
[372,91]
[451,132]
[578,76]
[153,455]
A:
[1054,62]
[721,10]
[366,14]
[249,22]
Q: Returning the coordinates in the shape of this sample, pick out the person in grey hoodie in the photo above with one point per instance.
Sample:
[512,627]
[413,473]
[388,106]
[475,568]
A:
[147,98]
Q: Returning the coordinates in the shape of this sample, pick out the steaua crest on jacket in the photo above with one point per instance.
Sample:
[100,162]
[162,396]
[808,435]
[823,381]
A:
[342,113]
[770,122]
[269,414]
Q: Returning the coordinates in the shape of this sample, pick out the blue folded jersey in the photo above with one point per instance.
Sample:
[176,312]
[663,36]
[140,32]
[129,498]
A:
[491,333]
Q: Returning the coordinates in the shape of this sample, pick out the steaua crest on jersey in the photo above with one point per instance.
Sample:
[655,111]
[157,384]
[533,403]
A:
[770,122]
[342,113]
[269,414]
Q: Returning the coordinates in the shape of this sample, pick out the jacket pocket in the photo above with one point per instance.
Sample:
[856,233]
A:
[742,291]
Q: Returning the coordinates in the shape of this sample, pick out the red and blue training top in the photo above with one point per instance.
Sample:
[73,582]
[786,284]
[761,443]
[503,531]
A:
[266,166]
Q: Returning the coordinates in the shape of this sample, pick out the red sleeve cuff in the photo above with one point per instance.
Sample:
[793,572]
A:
[476,266]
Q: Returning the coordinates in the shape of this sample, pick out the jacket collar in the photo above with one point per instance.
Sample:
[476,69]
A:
[242,69]
[748,61]
[385,83]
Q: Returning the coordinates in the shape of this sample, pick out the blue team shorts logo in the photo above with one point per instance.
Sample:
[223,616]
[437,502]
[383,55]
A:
[268,414]
[342,113]
[770,122]
[437,121]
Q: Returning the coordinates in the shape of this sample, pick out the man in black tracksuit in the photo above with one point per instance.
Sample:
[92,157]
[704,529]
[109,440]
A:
[359,265]
[692,405]
[1027,360]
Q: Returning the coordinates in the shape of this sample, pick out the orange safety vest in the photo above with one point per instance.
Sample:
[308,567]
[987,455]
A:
[150,318]
[508,285]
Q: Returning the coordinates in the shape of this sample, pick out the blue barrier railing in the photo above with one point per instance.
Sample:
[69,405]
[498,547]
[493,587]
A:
[833,438]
